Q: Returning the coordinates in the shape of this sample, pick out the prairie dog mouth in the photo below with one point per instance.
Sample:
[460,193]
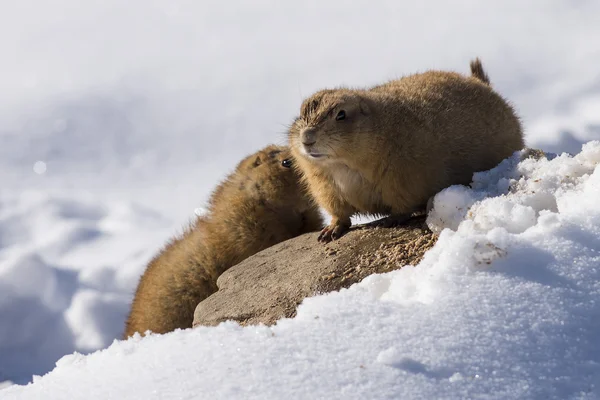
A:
[312,153]
[315,155]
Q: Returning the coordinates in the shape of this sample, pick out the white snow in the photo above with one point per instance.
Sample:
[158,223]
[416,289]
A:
[118,118]
[504,306]
[59,289]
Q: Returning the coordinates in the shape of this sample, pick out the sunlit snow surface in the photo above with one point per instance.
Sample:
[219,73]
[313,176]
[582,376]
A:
[506,306]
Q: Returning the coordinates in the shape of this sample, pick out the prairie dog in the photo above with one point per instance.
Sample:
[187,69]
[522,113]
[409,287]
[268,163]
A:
[260,204]
[387,149]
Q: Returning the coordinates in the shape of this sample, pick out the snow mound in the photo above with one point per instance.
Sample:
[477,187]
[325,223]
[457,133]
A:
[505,306]
[60,291]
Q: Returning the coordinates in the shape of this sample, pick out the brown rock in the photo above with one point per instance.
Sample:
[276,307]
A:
[269,285]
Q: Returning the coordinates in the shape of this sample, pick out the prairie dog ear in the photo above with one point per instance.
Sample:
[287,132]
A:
[364,107]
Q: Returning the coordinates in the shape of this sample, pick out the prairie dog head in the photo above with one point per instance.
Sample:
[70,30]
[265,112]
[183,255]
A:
[269,177]
[330,125]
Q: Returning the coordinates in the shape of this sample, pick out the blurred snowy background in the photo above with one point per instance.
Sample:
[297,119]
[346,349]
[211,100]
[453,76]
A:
[117,119]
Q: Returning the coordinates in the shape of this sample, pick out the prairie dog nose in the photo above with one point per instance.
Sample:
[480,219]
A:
[308,136]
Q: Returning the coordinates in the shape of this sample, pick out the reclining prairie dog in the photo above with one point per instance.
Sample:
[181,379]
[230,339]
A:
[387,149]
[260,204]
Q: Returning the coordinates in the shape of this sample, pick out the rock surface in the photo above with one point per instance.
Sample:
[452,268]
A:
[269,285]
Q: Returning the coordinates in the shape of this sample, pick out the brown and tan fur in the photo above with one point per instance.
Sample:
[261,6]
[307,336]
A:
[260,204]
[387,149]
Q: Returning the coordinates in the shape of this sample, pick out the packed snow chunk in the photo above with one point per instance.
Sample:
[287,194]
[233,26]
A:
[450,207]
[590,154]
[76,359]
[586,194]
[500,212]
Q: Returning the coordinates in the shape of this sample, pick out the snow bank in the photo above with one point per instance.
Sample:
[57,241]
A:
[505,306]
[60,290]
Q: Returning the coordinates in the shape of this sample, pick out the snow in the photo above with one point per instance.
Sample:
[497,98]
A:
[118,118]
[59,290]
[504,306]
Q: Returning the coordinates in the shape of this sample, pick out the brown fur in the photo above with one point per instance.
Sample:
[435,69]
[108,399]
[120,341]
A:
[478,72]
[400,143]
[260,204]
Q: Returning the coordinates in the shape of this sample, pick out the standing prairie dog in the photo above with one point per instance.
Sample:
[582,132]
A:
[259,205]
[386,150]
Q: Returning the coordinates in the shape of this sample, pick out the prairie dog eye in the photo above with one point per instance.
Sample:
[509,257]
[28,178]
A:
[286,163]
[340,115]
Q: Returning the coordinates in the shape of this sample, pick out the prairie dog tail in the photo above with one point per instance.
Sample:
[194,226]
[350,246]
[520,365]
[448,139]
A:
[478,72]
